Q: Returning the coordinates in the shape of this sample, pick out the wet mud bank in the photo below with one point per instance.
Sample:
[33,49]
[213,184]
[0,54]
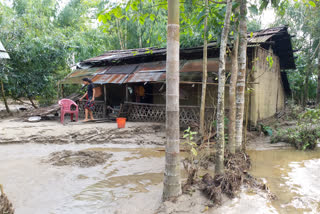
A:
[15,131]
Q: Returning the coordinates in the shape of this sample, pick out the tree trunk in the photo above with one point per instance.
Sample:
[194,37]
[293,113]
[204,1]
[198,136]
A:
[172,183]
[205,72]
[318,88]
[232,93]
[118,33]
[31,101]
[241,75]
[306,85]
[219,166]
[4,97]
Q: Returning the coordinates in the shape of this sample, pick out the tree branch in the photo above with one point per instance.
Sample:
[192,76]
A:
[218,2]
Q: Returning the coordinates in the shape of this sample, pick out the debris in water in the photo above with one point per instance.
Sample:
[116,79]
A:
[5,205]
[78,158]
[229,183]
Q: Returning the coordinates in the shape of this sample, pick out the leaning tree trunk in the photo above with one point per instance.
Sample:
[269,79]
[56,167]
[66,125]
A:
[219,166]
[4,97]
[232,95]
[205,72]
[172,183]
[241,75]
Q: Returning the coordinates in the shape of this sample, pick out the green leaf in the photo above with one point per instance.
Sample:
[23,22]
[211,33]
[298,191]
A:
[141,20]
[251,34]
[152,17]
[312,3]
[254,10]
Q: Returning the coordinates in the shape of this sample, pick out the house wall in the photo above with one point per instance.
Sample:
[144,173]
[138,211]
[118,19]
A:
[268,96]
[190,95]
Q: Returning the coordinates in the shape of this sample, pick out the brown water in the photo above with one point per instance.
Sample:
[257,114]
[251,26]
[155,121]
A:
[293,176]
[131,181]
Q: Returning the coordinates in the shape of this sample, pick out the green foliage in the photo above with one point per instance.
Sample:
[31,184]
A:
[306,134]
[189,136]
[43,42]
[267,130]
[302,17]
[270,61]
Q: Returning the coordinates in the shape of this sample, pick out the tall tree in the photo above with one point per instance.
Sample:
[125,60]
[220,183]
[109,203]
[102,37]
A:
[172,183]
[232,88]
[242,74]
[204,70]
[219,167]
[318,88]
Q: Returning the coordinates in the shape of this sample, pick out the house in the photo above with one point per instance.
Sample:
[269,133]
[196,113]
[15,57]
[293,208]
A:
[122,74]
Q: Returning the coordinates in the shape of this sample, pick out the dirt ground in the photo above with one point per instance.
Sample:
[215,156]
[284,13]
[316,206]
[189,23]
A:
[128,181]
[15,130]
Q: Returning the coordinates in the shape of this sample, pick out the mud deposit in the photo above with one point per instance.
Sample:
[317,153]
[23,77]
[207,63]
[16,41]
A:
[78,158]
[53,132]
[131,182]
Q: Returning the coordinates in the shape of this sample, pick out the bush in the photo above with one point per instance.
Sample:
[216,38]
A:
[306,134]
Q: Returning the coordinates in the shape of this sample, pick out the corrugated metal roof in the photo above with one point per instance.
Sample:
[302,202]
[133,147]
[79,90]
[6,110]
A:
[122,69]
[4,55]
[260,39]
[3,52]
[117,54]
[146,77]
[88,71]
[77,76]
[109,78]
[146,72]
[2,48]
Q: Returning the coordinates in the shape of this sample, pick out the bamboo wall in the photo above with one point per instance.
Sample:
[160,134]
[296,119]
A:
[268,96]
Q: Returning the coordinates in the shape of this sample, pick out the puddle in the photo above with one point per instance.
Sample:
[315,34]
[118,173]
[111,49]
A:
[131,181]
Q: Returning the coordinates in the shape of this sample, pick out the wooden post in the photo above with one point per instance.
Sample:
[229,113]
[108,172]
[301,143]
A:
[127,94]
[4,97]
[105,100]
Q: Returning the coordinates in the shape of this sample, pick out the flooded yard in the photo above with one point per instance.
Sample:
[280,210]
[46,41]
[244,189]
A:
[131,181]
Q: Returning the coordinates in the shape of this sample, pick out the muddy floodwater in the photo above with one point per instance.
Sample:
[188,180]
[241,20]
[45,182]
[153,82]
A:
[131,181]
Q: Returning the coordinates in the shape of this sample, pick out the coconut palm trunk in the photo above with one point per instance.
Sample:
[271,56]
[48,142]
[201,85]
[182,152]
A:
[205,71]
[241,75]
[219,167]
[172,183]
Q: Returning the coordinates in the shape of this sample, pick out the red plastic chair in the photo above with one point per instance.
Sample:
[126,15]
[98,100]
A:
[65,107]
